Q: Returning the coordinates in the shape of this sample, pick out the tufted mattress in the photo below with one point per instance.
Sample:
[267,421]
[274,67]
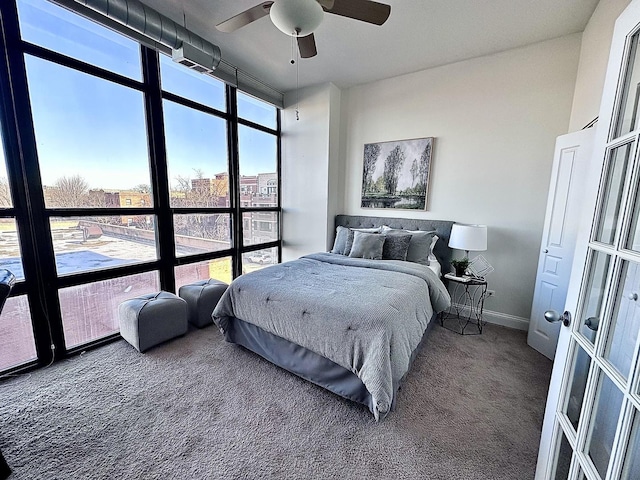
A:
[354,320]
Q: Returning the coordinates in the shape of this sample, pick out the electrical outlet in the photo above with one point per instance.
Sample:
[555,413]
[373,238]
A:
[491,293]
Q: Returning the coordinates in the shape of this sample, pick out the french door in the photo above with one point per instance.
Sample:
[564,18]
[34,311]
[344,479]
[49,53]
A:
[592,422]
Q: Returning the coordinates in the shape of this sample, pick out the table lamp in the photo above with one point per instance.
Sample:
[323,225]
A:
[468,238]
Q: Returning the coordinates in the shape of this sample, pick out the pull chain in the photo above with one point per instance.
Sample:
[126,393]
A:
[295,60]
[297,88]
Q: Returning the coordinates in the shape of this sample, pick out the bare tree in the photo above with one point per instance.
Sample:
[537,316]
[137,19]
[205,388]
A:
[423,171]
[199,191]
[5,193]
[371,153]
[142,188]
[392,166]
[414,171]
[71,192]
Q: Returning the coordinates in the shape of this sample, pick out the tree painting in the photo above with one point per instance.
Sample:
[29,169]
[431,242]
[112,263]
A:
[371,153]
[396,174]
[392,166]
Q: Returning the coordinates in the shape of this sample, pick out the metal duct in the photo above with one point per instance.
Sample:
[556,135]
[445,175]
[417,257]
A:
[155,26]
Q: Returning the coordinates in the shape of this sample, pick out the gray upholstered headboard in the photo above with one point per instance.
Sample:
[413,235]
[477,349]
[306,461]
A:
[442,227]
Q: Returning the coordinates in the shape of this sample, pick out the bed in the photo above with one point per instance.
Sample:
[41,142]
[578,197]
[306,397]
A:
[351,325]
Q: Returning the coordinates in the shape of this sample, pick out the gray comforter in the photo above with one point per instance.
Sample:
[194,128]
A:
[367,316]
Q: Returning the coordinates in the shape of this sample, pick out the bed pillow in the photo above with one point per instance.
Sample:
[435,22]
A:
[420,245]
[395,245]
[340,243]
[349,244]
[344,237]
[432,256]
[367,245]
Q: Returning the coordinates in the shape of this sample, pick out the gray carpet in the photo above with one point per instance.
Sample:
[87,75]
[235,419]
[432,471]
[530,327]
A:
[198,408]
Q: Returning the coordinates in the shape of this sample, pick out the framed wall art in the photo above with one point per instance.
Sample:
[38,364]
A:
[396,174]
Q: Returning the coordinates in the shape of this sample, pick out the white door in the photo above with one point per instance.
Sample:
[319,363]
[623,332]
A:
[592,420]
[571,163]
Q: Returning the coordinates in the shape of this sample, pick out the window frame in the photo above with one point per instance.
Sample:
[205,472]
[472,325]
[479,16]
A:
[42,283]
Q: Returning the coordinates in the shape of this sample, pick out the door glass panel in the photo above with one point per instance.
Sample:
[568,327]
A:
[621,340]
[612,193]
[256,110]
[630,99]
[604,419]
[218,268]
[594,295]
[259,227]
[258,168]
[87,134]
[582,362]
[192,85]
[17,344]
[10,254]
[631,468]
[563,462]
[196,157]
[90,311]
[201,233]
[83,244]
[633,239]
[58,29]
[259,259]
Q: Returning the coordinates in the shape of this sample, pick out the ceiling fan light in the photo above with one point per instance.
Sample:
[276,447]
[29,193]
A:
[297,18]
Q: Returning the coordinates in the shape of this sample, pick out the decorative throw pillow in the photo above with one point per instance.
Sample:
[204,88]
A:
[340,243]
[367,245]
[420,245]
[395,246]
[349,244]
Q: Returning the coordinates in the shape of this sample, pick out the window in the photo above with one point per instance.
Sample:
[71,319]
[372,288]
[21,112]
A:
[256,111]
[90,311]
[191,85]
[17,343]
[196,157]
[83,166]
[126,193]
[42,22]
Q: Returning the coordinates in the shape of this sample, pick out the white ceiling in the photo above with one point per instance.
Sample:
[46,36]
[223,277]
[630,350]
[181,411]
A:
[419,34]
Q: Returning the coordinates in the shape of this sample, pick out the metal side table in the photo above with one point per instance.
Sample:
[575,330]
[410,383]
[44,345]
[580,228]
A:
[467,302]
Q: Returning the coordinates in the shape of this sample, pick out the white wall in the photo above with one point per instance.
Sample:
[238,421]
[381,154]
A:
[495,120]
[594,56]
[310,169]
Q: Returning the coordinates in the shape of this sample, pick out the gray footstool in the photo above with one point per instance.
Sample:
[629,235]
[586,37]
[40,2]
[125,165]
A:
[149,320]
[202,297]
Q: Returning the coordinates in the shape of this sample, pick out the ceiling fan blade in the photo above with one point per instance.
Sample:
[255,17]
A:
[245,18]
[364,10]
[307,46]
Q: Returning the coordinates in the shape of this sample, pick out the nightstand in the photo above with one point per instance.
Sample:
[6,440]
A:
[467,302]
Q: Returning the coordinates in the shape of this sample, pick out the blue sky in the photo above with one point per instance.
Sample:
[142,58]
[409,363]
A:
[95,128]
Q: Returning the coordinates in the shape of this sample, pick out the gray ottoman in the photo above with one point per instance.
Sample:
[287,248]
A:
[149,320]
[202,297]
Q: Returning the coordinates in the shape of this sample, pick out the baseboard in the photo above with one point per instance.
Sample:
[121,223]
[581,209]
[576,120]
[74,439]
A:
[503,319]
[506,320]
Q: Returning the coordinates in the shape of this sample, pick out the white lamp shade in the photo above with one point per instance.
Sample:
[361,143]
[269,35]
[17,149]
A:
[297,18]
[468,237]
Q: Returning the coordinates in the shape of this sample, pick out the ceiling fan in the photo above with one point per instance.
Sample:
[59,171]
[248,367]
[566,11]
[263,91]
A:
[299,18]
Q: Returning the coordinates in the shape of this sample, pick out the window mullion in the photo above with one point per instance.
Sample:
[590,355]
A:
[158,164]
[234,180]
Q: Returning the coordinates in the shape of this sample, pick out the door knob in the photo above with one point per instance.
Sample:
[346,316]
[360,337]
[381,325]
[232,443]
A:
[633,296]
[546,250]
[552,316]
[592,323]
